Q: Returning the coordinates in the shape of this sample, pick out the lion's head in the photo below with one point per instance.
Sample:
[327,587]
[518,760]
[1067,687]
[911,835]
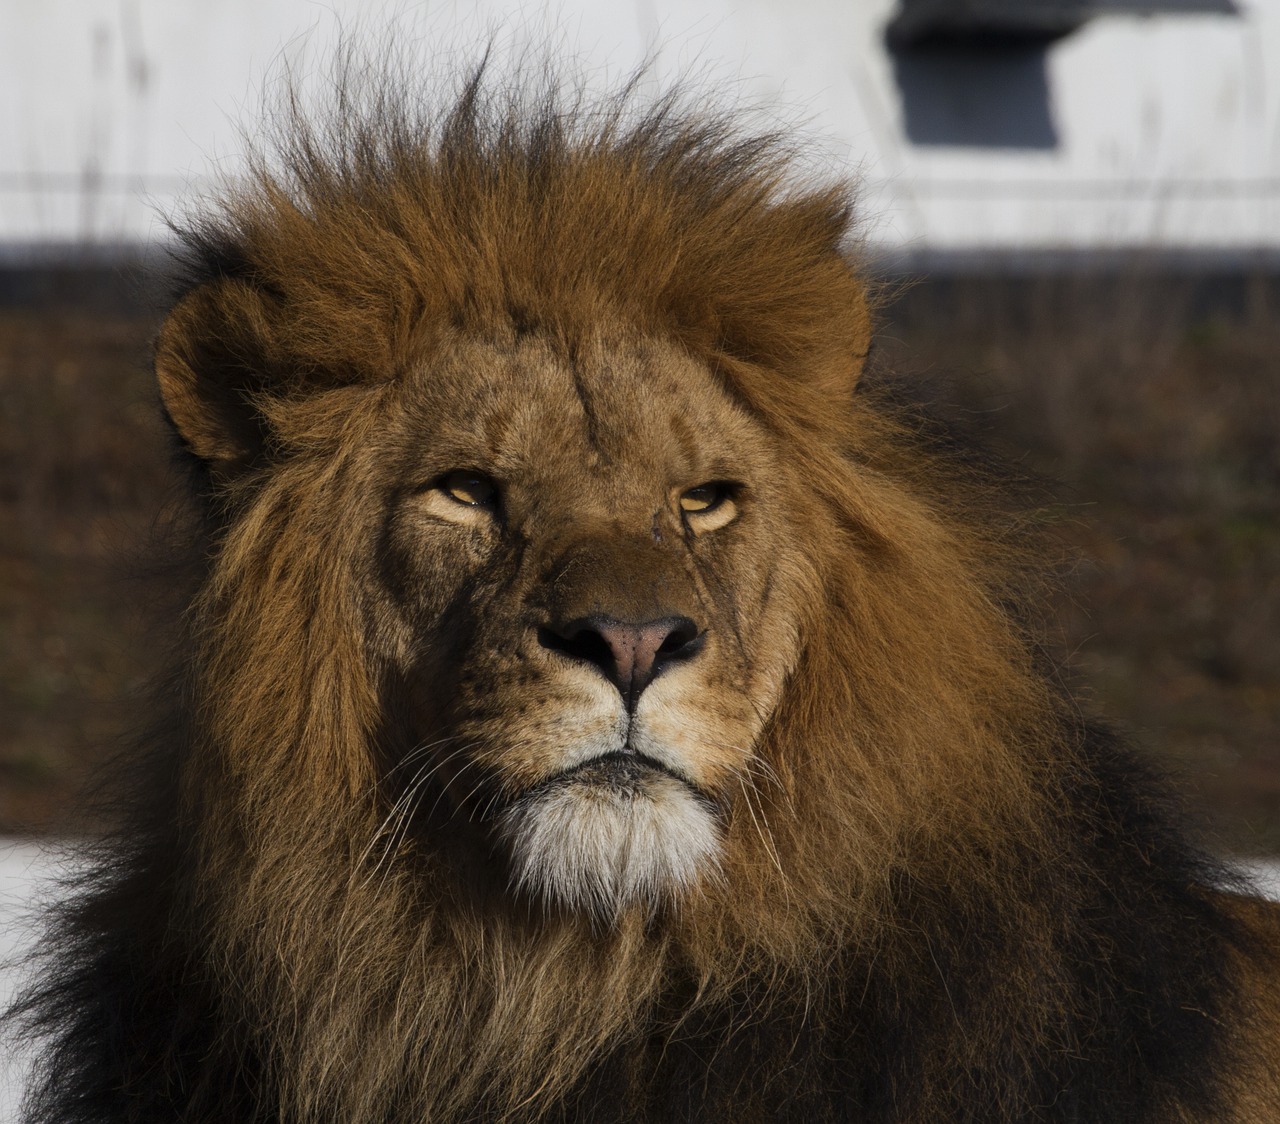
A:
[583,407]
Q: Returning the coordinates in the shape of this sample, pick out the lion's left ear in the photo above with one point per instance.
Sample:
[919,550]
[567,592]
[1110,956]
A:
[790,297]
[832,330]
[211,364]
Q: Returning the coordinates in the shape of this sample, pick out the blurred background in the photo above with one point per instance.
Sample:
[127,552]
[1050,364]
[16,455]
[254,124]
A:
[1073,210]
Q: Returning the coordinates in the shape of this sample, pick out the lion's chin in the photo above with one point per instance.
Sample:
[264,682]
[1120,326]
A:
[611,835]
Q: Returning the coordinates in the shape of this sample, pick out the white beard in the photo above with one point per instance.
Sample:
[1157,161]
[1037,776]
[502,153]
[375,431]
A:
[598,847]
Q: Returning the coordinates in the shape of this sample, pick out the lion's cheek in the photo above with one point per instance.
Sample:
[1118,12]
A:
[700,725]
[527,731]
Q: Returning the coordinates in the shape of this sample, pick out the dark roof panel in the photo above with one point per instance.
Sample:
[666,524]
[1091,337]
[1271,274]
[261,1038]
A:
[989,22]
[1169,7]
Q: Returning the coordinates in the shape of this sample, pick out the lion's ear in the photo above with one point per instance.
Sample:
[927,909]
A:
[836,332]
[210,363]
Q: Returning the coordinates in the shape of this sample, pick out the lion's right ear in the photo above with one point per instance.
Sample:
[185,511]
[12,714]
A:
[210,362]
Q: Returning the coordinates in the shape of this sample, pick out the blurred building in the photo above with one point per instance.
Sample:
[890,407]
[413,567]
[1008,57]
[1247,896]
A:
[1030,128]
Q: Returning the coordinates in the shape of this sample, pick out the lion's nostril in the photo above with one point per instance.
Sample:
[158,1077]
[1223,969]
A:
[629,654]
[578,641]
[683,634]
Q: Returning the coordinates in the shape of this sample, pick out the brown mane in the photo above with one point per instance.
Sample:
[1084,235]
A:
[934,852]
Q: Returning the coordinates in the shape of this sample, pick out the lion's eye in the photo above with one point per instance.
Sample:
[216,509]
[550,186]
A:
[471,488]
[704,497]
[710,505]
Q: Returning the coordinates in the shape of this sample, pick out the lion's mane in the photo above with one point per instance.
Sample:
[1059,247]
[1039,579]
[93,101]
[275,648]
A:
[945,897]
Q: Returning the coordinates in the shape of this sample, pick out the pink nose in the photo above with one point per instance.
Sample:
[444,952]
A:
[630,655]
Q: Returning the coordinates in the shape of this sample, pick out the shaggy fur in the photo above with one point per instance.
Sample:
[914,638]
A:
[407,854]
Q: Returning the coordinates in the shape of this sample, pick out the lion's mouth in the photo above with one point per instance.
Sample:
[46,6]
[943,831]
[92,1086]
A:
[623,773]
[619,768]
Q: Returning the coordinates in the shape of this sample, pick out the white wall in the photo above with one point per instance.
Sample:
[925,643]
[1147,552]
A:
[1168,129]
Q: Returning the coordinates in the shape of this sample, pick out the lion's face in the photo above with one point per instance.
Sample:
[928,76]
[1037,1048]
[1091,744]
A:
[584,566]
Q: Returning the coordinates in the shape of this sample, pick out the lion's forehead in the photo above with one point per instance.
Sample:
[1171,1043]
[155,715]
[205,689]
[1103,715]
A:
[530,410]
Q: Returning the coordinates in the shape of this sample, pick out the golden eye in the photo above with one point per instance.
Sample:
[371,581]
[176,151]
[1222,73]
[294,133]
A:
[471,488]
[709,506]
[705,497]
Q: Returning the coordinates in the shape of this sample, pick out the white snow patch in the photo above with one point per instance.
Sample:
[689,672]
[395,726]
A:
[25,868]
[1265,875]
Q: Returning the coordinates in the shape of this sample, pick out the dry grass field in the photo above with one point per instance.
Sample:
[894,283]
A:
[1150,412]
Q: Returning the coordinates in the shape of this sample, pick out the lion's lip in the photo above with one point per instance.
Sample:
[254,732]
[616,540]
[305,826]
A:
[622,764]
[618,770]
[619,774]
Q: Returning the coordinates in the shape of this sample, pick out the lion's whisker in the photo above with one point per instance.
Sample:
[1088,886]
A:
[395,824]
[421,750]
[766,837]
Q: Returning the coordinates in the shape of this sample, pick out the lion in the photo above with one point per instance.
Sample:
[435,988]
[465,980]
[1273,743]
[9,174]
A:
[596,705]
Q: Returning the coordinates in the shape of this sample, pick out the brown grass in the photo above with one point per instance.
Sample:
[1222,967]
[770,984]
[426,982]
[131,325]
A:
[1153,404]
[83,464]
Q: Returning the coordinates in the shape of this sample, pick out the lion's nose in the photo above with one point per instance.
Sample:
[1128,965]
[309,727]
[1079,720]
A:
[631,655]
